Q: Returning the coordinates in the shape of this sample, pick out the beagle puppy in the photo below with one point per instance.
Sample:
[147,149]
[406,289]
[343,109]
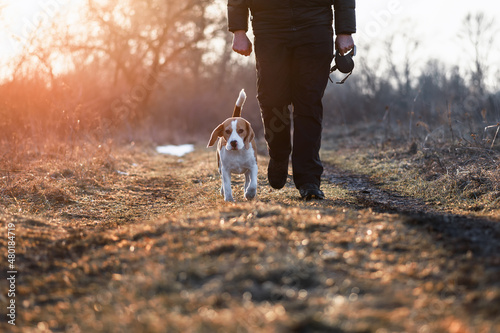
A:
[236,151]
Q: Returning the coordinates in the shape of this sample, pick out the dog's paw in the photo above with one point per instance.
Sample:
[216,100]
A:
[228,199]
[250,193]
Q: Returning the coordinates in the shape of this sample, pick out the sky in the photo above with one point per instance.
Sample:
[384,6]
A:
[435,23]
[20,18]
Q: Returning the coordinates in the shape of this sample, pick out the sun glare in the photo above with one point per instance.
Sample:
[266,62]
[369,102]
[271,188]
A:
[23,20]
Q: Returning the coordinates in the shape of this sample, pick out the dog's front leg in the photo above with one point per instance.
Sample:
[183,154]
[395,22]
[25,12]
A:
[226,185]
[251,183]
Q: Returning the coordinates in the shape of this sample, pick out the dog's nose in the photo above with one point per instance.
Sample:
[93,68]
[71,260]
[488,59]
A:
[234,143]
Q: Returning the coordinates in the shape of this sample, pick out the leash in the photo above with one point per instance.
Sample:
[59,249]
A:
[344,63]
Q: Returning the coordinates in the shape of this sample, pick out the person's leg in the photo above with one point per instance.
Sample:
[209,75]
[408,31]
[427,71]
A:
[274,59]
[312,58]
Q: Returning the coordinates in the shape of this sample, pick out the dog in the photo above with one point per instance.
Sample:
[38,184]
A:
[236,151]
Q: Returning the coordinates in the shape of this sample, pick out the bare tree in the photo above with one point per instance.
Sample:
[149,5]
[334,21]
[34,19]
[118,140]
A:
[478,35]
[137,44]
[402,74]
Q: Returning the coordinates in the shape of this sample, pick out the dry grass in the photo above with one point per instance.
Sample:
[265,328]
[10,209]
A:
[459,181]
[120,239]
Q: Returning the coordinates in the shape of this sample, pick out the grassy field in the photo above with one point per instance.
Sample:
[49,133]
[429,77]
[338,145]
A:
[122,239]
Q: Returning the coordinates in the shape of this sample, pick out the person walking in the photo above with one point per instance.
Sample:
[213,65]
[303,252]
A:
[293,50]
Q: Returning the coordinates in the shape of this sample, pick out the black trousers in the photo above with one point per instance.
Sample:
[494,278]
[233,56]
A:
[293,69]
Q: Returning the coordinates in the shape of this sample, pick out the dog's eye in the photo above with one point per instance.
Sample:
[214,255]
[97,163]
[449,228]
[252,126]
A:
[228,132]
[240,131]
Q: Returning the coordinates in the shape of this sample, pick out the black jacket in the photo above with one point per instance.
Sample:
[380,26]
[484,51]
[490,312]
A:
[286,15]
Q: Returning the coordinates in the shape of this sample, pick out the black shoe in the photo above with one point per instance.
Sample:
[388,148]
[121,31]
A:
[311,191]
[277,173]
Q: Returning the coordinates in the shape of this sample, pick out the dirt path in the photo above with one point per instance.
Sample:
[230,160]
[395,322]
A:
[479,235]
[153,248]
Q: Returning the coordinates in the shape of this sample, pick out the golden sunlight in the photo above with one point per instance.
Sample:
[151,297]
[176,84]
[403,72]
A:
[23,21]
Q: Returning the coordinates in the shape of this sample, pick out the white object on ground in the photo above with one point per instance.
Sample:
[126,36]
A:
[178,151]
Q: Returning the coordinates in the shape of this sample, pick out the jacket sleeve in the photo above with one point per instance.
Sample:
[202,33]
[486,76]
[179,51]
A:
[237,15]
[345,16]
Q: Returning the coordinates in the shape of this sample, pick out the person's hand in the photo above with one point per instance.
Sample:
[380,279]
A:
[344,43]
[241,43]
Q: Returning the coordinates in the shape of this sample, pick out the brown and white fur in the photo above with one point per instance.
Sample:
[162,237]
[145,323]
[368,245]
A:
[236,151]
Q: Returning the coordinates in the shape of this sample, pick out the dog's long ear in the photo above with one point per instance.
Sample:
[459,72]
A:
[250,135]
[218,132]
